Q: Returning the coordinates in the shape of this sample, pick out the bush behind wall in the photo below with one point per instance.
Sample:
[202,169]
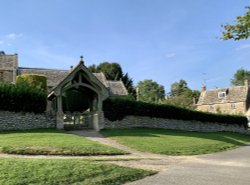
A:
[22,98]
[117,109]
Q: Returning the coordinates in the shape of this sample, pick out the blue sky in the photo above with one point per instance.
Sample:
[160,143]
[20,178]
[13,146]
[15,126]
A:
[162,40]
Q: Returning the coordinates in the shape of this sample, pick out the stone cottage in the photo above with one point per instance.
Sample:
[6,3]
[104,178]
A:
[94,87]
[232,100]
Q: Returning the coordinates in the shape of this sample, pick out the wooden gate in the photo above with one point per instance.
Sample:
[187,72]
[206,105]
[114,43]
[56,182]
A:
[77,121]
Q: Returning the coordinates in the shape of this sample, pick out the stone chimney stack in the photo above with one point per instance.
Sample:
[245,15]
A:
[246,82]
[203,88]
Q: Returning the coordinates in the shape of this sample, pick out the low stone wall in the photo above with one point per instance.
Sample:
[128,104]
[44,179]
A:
[147,122]
[25,121]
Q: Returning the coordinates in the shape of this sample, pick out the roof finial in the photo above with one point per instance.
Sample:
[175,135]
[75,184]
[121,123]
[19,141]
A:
[81,60]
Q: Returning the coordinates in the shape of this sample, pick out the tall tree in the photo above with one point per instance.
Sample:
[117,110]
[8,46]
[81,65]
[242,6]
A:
[150,91]
[128,82]
[182,96]
[239,30]
[93,68]
[177,88]
[240,76]
[112,71]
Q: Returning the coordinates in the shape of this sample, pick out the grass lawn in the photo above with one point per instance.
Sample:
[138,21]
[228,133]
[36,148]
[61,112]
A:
[171,142]
[51,142]
[15,171]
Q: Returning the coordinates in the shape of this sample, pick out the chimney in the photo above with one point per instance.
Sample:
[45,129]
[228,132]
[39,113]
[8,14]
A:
[203,88]
[246,82]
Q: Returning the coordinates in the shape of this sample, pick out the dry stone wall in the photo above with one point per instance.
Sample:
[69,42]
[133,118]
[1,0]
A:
[147,122]
[25,121]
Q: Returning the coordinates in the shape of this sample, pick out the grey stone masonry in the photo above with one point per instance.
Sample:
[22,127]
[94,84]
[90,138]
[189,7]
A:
[25,121]
[147,122]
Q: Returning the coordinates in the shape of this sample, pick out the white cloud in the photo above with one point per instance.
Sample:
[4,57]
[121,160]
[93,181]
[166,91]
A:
[244,46]
[170,55]
[14,36]
[1,42]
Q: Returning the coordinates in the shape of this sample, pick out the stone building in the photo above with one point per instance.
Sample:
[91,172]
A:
[232,100]
[93,87]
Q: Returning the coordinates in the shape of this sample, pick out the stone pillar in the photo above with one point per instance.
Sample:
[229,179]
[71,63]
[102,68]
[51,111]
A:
[101,120]
[98,120]
[59,113]
[95,121]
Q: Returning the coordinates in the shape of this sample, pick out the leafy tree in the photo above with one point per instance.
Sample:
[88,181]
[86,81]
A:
[112,71]
[93,68]
[177,88]
[240,30]
[150,91]
[181,95]
[240,76]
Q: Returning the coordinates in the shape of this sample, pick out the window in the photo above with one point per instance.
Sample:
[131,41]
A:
[1,76]
[233,106]
[222,94]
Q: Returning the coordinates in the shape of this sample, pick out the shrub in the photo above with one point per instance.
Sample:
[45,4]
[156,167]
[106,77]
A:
[37,81]
[117,109]
[22,98]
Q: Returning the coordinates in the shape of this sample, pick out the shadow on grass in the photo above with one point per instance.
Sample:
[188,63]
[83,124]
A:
[33,131]
[227,137]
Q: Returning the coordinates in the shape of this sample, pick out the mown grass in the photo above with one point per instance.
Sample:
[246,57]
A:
[51,142]
[15,171]
[171,142]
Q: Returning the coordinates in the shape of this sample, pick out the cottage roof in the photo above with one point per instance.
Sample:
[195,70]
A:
[232,94]
[54,76]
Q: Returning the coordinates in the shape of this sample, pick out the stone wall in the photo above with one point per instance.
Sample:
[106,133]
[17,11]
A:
[25,121]
[227,108]
[147,122]
[8,62]
[6,76]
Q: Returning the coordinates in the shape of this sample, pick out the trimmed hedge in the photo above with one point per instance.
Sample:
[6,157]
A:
[37,81]
[117,109]
[22,98]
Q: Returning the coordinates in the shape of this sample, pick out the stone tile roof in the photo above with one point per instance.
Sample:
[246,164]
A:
[233,94]
[101,77]
[54,76]
[117,88]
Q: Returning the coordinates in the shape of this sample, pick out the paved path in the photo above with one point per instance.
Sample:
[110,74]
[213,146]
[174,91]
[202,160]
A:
[225,168]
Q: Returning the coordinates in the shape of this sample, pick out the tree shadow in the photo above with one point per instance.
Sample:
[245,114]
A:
[227,137]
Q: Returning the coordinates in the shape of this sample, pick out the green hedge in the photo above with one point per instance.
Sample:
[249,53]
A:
[37,81]
[117,109]
[22,98]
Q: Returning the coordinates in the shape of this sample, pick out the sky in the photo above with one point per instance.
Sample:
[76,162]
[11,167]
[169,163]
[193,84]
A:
[162,40]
